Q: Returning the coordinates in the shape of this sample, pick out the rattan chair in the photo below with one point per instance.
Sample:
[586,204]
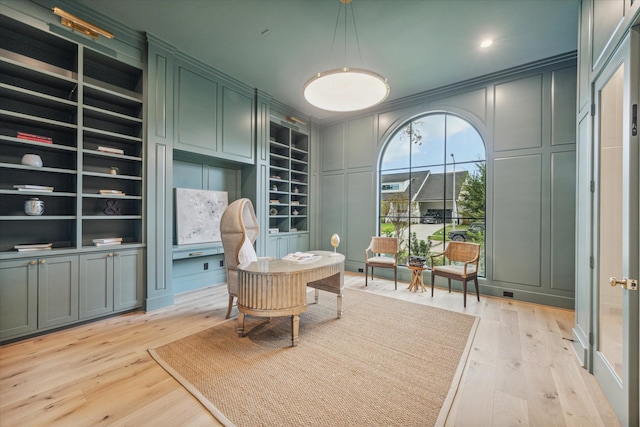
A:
[383,253]
[239,230]
[460,262]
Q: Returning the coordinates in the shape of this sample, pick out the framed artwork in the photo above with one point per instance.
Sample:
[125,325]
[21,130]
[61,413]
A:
[198,214]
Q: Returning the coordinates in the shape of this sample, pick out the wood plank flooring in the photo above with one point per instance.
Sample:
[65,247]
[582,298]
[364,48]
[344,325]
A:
[521,370]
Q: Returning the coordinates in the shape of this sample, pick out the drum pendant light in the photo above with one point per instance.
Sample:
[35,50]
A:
[346,89]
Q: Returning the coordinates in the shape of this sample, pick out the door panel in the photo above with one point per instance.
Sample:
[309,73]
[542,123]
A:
[616,231]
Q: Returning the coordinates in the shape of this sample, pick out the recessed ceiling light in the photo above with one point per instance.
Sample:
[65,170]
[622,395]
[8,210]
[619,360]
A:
[486,43]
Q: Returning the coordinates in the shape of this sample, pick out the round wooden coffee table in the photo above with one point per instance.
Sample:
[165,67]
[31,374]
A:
[416,278]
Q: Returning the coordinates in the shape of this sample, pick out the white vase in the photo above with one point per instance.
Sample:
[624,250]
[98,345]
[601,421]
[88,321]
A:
[32,160]
[34,207]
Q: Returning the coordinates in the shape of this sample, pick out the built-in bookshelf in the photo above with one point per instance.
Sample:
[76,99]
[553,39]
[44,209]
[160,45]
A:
[288,179]
[80,113]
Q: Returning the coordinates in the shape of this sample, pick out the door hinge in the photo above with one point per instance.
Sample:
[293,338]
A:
[592,262]
[593,186]
[593,110]
[590,338]
[634,120]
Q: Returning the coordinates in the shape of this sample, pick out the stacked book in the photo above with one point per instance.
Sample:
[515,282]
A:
[26,247]
[417,261]
[108,241]
[274,230]
[110,150]
[32,137]
[112,192]
[28,187]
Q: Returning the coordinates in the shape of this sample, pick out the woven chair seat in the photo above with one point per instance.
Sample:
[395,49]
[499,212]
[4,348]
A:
[456,269]
[381,260]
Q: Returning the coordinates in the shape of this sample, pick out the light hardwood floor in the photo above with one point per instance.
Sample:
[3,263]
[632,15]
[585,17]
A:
[521,370]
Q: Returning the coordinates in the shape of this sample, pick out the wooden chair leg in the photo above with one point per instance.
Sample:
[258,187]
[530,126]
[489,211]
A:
[475,280]
[464,291]
[449,284]
[366,274]
[432,282]
[395,277]
[230,306]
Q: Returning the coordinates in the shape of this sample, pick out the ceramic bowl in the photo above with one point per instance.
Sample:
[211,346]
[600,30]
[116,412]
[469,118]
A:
[32,160]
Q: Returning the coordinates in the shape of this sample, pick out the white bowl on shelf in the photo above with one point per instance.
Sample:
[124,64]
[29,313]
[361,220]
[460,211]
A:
[32,160]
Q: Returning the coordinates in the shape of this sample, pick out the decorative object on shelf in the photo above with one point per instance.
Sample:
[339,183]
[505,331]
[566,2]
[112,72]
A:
[295,212]
[112,192]
[110,150]
[80,25]
[296,190]
[273,211]
[28,187]
[112,208]
[113,170]
[275,177]
[32,160]
[36,138]
[274,188]
[335,241]
[108,241]
[346,89]
[34,207]
[274,202]
[274,230]
[27,247]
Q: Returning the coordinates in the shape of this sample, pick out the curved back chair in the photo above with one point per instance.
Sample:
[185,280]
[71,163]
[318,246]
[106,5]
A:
[383,253]
[239,230]
[460,262]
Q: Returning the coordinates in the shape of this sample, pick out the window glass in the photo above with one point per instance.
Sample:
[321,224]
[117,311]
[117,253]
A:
[432,185]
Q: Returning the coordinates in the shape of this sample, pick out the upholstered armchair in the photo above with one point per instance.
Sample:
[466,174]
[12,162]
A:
[460,262]
[382,253]
[239,230]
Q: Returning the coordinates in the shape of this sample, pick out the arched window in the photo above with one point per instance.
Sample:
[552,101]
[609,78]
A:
[432,185]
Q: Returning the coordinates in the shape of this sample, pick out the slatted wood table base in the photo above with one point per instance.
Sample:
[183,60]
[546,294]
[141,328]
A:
[416,279]
[275,288]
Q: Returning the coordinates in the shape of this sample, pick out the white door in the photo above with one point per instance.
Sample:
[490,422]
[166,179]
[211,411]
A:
[616,231]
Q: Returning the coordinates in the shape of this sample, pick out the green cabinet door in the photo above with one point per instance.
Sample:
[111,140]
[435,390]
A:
[299,242]
[128,279]
[96,284]
[57,291]
[110,282]
[18,297]
[237,125]
[278,246]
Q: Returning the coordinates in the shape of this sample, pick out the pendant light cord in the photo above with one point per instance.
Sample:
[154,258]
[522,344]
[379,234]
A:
[335,32]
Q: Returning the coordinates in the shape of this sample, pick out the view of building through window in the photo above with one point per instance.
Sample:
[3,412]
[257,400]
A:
[432,186]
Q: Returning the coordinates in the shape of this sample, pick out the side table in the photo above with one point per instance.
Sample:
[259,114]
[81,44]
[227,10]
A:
[416,278]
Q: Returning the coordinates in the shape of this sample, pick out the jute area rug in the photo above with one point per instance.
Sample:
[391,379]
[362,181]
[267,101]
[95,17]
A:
[386,362]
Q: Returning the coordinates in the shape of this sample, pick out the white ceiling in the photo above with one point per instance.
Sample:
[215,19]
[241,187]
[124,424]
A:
[417,45]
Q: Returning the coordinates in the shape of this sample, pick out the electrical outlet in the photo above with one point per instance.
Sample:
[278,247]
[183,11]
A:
[507,294]
[360,270]
[206,265]
[221,263]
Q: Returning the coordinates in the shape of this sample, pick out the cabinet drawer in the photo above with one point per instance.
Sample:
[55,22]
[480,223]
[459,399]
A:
[194,252]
